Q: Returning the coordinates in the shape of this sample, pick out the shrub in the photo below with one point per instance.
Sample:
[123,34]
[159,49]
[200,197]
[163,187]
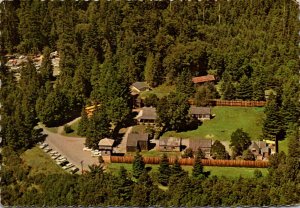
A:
[68,129]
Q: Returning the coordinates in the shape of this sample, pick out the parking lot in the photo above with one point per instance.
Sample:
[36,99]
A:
[68,150]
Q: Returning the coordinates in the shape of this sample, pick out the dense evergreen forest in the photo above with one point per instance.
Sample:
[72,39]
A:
[249,46]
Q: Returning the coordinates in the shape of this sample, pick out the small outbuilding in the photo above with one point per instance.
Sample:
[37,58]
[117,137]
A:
[138,87]
[200,113]
[203,144]
[106,146]
[170,144]
[203,79]
[254,148]
[137,141]
[147,115]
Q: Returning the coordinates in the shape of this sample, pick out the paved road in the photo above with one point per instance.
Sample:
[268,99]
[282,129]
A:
[71,148]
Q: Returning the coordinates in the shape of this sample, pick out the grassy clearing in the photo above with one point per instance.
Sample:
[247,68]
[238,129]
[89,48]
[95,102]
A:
[40,162]
[230,172]
[283,146]
[139,128]
[227,120]
[160,91]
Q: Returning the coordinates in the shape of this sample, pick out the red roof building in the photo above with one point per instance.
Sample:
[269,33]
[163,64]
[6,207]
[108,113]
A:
[202,79]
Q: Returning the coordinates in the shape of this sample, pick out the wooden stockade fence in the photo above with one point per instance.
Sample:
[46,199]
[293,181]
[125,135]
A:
[240,103]
[190,161]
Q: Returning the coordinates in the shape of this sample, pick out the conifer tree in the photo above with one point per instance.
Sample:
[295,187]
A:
[244,90]
[83,124]
[239,142]
[46,66]
[138,165]
[176,169]
[124,185]
[164,170]
[273,127]
[258,88]
[197,167]
[150,71]
[184,83]
[293,141]
[218,151]
[99,128]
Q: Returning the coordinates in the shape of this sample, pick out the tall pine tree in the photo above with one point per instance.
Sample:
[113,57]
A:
[164,170]
[244,90]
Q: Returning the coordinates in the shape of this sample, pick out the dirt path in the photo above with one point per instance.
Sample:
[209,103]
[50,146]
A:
[71,148]
[121,148]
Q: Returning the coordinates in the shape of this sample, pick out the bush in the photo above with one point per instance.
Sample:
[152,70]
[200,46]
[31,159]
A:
[68,129]
[257,173]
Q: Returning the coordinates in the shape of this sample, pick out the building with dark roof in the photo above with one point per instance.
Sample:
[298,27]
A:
[147,115]
[137,141]
[203,144]
[200,113]
[138,87]
[106,146]
[170,144]
[254,148]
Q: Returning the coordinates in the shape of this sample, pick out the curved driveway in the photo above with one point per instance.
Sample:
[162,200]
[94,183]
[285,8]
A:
[71,148]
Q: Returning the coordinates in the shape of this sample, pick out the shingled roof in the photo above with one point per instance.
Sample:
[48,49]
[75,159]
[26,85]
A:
[200,110]
[170,141]
[133,138]
[202,79]
[140,85]
[106,142]
[147,113]
[199,143]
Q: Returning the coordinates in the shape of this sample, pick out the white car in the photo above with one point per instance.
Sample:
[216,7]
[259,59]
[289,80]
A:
[43,145]
[47,149]
[53,152]
[67,166]
[87,149]
[61,158]
[96,153]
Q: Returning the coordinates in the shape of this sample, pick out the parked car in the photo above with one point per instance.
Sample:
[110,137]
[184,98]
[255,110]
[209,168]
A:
[53,152]
[67,166]
[47,149]
[54,157]
[61,158]
[74,170]
[96,153]
[62,162]
[43,145]
[87,149]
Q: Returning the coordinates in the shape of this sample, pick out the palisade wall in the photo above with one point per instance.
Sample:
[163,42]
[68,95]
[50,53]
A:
[190,161]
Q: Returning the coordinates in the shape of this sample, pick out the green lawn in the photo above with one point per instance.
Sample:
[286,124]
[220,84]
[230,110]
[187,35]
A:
[227,120]
[40,162]
[230,172]
[139,128]
[160,91]
[283,146]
